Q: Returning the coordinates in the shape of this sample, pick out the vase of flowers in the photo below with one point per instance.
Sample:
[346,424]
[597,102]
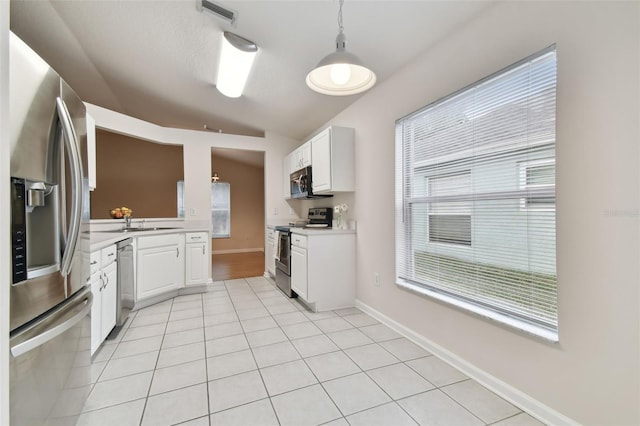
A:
[338,214]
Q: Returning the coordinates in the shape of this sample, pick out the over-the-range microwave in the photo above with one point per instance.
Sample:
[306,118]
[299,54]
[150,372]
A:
[302,184]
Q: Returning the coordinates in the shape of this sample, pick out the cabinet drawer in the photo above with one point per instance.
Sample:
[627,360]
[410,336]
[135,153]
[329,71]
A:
[107,255]
[94,261]
[158,241]
[299,240]
[196,237]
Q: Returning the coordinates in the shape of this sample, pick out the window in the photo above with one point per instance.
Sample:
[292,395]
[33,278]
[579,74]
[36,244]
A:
[221,209]
[180,192]
[449,222]
[538,174]
[475,197]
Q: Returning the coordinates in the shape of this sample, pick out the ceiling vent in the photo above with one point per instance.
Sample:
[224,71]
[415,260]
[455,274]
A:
[218,10]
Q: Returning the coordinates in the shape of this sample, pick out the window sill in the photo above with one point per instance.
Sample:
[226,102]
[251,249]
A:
[528,328]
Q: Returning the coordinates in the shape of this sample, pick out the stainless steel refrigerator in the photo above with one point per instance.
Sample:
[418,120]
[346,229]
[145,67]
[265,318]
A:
[50,298]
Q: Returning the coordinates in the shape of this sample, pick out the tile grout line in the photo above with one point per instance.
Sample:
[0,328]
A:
[146,401]
[273,408]
[391,399]
[353,326]
[252,292]
[318,382]
[93,384]
[206,365]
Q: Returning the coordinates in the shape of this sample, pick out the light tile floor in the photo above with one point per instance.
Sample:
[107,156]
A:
[243,354]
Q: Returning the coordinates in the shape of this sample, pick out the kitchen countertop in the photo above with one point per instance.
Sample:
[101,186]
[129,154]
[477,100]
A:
[321,231]
[101,239]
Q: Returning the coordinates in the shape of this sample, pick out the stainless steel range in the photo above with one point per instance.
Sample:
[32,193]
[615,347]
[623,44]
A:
[319,217]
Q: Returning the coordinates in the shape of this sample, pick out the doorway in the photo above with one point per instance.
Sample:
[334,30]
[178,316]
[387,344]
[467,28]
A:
[238,252]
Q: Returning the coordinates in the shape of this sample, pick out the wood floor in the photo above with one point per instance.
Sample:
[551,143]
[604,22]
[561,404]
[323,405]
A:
[237,265]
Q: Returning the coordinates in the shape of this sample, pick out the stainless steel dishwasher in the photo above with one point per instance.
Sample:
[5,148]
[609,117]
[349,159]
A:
[125,297]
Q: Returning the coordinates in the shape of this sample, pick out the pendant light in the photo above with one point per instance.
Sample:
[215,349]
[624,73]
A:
[340,73]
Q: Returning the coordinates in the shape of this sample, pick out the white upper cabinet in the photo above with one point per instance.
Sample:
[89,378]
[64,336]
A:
[301,157]
[333,154]
[286,171]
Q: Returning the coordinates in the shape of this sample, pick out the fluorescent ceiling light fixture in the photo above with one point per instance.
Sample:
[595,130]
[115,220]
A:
[340,73]
[236,58]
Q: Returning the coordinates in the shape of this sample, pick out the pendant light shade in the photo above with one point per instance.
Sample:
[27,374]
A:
[340,73]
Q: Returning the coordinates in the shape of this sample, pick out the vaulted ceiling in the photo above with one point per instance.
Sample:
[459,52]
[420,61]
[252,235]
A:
[157,60]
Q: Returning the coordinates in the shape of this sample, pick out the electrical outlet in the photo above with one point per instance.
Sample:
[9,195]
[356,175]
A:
[291,213]
[275,211]
[376,279]
[192,211]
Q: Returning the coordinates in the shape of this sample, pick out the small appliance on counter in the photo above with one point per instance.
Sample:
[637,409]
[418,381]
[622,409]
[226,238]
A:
[320,217]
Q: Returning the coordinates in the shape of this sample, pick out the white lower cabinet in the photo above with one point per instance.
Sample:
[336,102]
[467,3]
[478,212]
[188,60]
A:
[323,269]
[299,275]
[104,286]
[109,299]
[269,253]
[159,264]
[197,258]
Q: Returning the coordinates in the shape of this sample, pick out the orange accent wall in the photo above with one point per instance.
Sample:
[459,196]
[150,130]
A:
[247,204]
[137,174]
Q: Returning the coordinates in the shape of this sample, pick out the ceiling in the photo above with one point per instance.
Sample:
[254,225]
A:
[251,158]
[156,59]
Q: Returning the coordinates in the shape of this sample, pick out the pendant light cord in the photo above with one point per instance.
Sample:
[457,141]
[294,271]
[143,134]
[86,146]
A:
[340,26]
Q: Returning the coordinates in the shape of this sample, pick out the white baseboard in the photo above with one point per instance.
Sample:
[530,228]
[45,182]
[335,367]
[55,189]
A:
[246,250]
[518,398]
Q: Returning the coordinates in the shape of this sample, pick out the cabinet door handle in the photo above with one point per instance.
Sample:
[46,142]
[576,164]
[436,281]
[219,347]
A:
[203,250]
[177,252]
[101,282]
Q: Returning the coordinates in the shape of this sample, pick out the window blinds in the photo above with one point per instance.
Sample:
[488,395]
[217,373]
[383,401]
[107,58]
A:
[475,195]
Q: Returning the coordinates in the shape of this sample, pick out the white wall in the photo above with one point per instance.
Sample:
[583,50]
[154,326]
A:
[592,375]
[197,160]
[5,249]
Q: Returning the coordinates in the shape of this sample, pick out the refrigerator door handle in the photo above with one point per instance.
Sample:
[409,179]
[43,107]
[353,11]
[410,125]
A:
[73,150]
[52,325]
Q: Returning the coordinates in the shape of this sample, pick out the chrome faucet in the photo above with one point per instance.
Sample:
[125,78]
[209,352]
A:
[127,222]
